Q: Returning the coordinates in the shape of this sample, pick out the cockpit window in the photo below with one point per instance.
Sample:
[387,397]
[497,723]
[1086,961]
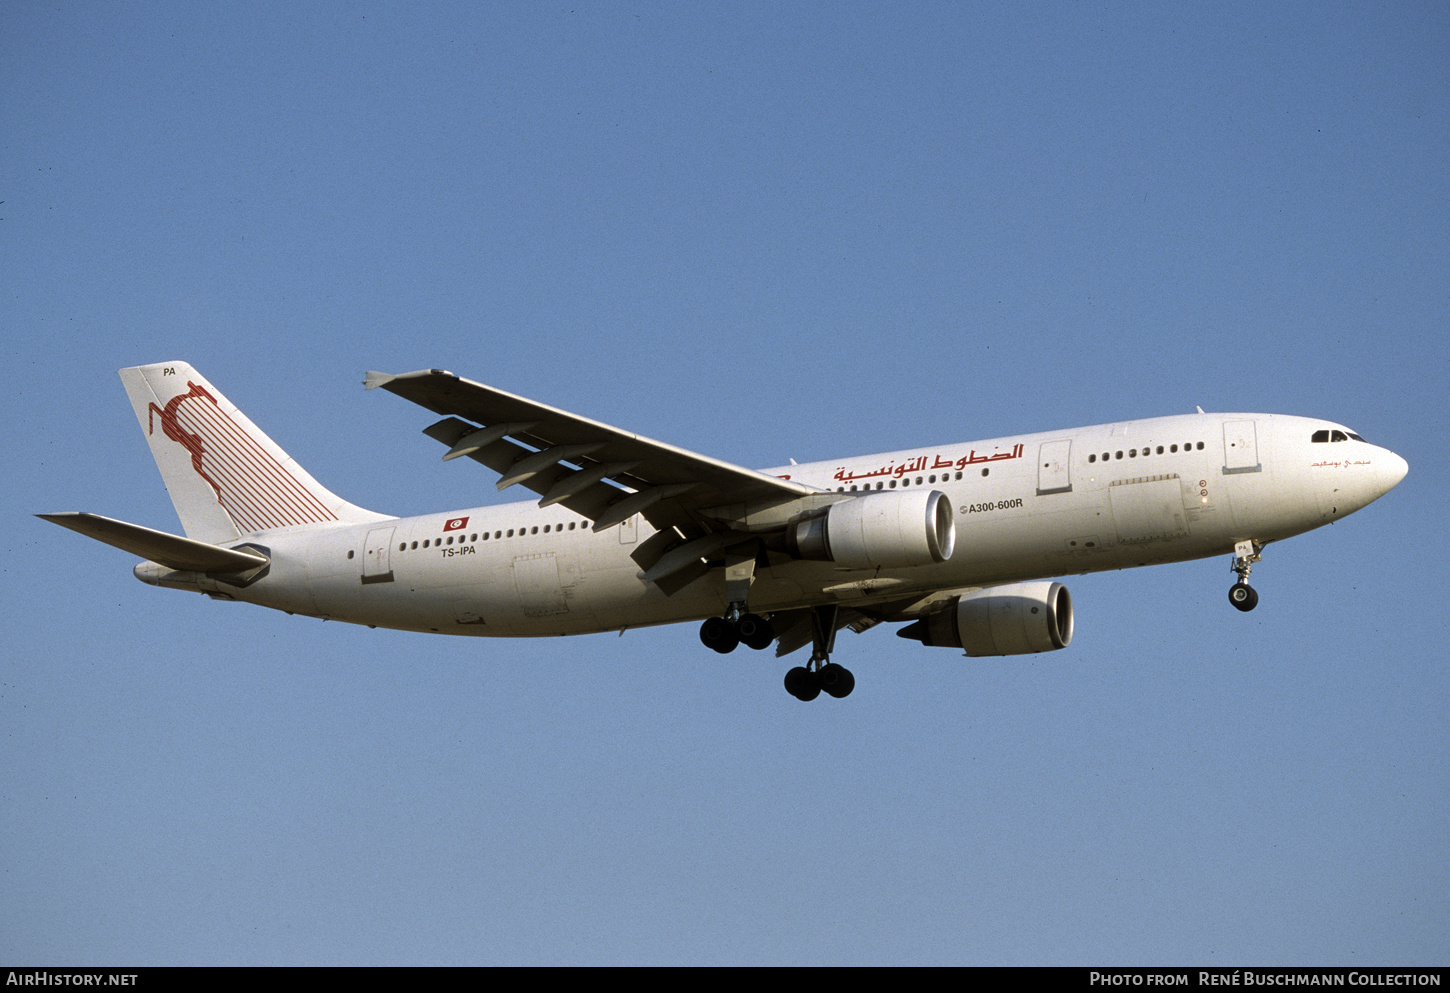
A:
[1328,435]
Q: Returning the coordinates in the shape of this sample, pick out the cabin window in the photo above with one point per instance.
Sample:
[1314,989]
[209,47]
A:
[571,525]
[985,471]
[349,553]
[1160,449]
[1120,455]
[546,529]
[1200,446]
[1338,436]
[1092,458]
[415,545]
[511,533]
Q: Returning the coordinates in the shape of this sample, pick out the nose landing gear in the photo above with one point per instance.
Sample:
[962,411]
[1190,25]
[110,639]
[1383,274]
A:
[1241,594]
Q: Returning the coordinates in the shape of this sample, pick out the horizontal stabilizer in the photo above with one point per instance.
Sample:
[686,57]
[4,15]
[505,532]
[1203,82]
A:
[158,546]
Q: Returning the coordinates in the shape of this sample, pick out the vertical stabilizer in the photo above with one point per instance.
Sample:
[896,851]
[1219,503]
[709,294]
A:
[226,478]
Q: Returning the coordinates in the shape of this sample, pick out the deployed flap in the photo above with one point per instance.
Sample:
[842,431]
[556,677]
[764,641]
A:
[670,483]
[158,546]
[793,629]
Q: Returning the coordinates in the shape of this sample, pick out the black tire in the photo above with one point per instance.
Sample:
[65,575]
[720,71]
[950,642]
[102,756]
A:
[1243,596]
[755,631]
[802,684]
[719,634]
[837,680]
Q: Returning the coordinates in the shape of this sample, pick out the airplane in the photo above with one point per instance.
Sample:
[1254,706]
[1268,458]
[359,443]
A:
[960,541]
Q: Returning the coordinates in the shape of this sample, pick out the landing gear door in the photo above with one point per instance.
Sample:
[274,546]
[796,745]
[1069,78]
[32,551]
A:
[1240,447]
[1054,467]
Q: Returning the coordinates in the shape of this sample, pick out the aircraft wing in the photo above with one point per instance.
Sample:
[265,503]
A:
[595,470]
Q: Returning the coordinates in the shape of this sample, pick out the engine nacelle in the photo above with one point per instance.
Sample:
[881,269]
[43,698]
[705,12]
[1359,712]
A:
[915,527]
[1016,619]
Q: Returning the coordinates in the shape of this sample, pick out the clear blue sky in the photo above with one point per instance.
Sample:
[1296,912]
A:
[759,231]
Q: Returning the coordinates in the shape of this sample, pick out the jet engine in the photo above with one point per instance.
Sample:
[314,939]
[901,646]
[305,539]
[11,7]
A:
[892,530]
[1016,619]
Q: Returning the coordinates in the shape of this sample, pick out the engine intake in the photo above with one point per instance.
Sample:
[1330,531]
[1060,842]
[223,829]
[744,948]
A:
[1016,619]
[879,529]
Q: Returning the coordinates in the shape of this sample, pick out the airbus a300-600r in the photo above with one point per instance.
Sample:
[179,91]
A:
[959,540]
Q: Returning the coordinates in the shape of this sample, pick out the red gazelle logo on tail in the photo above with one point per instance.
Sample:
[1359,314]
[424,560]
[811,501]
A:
[250,484]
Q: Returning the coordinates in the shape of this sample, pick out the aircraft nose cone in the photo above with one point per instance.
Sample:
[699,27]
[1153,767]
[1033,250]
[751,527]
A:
[1394,469]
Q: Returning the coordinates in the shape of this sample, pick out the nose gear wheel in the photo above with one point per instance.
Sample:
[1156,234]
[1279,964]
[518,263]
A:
[1241,594]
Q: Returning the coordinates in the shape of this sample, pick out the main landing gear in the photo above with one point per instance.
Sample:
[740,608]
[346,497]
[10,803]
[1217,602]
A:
[723,633]
[806,682]
[737,627]
[1241,594]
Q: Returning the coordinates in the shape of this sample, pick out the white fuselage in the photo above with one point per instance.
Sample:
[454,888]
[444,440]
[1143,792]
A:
[1027,507]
